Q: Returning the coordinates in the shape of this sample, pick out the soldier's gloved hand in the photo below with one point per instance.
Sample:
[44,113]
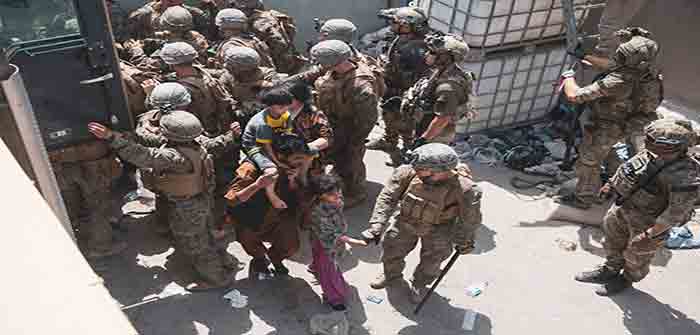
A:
[577,52]
[464,248]
[568,74]
[418,142]
[374,233]
[605,192]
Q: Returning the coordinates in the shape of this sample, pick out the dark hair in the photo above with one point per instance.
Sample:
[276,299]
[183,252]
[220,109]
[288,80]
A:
[300,90]
[275,96]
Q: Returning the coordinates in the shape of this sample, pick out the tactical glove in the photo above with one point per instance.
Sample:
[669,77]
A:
[464,248]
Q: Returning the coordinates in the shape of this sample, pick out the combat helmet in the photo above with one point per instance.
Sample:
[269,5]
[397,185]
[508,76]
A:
[231,18]
[437,157]
[180,126]
[178,53]
[669,136]
[330,53]
[176,19]
[239,59]
[413,17]
[169,96]
[447,44]
[338,29]
[637,49]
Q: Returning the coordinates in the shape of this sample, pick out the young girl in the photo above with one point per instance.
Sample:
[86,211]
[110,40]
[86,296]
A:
[328,238]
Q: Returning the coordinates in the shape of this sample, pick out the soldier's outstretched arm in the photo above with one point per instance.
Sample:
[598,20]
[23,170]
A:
[390,195]
[217,146]
[468,220]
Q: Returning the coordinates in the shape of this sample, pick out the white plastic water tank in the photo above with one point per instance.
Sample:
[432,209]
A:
[499,23]
[514,87]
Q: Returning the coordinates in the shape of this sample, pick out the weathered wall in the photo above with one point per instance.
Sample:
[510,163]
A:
[676,26]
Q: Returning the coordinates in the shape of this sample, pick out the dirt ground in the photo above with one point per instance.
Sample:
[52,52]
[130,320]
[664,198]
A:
[530,281]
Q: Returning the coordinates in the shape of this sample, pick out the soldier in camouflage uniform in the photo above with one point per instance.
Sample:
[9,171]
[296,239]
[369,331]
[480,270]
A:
[244,79]
[622,102]
[655,190]
[439,205]
[404,63]
[347,94]
[177,25]
[223,146]
[85,173]
[277,30]
[233,30]
[145,21]
[440,99]
[184,175]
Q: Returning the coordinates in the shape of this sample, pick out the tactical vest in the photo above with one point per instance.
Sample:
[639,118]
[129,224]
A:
[333,94]
[214,110]
[404,64]
[419,100]
[248,41]
[135,95]
[186,185]
[423,206]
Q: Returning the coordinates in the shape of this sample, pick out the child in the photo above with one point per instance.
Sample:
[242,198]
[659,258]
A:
[328,238]
[259,134]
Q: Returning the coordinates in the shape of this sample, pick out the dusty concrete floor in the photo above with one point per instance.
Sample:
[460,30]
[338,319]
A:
[530,286]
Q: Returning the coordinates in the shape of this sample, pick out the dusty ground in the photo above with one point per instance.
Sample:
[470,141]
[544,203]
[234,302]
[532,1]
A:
[530,286]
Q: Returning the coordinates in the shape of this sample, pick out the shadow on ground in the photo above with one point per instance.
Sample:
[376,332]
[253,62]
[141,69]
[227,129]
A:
[642,314]
[437,316]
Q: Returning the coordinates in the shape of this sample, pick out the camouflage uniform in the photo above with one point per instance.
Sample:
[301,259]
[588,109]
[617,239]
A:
[445,92]
[350,101]
[623,101]
[403,64]
[244,79]
[277,30]
[652,191]
[145,21]
[221,144]
[233,26]
[439,214]
[184,175]
[85,173]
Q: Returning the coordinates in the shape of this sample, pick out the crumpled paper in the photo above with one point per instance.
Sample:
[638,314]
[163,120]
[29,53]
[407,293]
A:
[236,299]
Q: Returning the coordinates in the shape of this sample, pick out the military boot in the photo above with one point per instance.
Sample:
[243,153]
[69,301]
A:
[601,275]
[614,286]
[382,281]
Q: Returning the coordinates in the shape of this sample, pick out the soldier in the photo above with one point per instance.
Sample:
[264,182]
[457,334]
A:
[623,101]
[277,30]
[145,21]
[347,94]
[233,29]
[177,25]
[340,29]
[443,97]
[655,191]
[244,79]
[439,204]
[185,176]
[223,146]
[85,173]
[404,63]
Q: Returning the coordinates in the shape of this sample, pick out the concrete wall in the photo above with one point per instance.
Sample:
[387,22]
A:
[676,25]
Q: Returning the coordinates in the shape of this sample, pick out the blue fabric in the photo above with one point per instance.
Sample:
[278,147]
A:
[682,238]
